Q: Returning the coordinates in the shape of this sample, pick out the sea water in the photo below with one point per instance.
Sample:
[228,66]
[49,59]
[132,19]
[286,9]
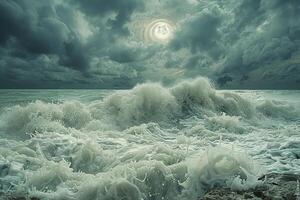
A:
[150,142]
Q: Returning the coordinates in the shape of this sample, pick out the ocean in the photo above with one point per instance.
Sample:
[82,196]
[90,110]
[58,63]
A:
[147,143]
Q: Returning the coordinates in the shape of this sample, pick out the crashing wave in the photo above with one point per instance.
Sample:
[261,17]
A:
[146,143]
[145,103]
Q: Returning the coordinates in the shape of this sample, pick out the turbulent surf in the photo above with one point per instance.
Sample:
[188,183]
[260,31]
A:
[151,142]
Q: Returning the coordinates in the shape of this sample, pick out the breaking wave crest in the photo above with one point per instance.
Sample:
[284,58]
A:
[143,104]
[150,142]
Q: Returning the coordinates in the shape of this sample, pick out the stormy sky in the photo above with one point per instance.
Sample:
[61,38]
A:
[239,44]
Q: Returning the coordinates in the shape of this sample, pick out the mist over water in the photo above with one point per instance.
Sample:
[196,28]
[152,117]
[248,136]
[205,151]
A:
[149,143]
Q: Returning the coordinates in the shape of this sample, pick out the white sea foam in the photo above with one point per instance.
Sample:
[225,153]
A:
[150,142]
[144,103]
[221,166]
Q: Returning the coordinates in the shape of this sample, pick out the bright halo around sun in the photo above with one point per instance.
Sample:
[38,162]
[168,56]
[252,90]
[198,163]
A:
[160,30]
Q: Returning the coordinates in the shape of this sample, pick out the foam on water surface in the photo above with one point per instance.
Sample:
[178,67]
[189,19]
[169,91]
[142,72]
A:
[150,142]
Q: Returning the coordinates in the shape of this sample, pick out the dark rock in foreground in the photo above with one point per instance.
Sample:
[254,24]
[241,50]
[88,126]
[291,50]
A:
[275,187]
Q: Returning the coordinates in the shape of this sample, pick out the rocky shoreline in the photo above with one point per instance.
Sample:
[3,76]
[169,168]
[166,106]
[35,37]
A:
[275,187]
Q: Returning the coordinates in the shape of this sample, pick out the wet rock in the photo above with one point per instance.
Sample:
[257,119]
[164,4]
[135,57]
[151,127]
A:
[276,187]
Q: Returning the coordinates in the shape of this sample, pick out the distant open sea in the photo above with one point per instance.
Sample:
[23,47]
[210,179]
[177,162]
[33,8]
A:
[148,143]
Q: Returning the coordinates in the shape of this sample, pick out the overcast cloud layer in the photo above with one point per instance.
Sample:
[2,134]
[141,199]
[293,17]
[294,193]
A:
[98,43]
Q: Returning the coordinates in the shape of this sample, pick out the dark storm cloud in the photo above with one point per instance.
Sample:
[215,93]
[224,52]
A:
[199,32]
[74,55]
[122,9]
[247,40]
[97,43]
[35,28]
[270,38]
[31,30]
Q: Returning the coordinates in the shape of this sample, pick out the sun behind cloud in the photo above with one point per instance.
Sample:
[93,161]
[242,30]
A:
[159,30]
